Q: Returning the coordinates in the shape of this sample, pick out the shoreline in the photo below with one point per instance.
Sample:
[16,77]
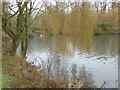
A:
[110,32]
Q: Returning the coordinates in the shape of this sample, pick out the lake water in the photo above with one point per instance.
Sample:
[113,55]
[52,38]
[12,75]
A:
[96,58]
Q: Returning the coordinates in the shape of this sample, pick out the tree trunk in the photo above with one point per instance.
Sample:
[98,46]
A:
[14,46]
[24,45]
[24,41]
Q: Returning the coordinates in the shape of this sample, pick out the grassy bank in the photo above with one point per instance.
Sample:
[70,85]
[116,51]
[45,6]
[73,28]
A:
[21,74]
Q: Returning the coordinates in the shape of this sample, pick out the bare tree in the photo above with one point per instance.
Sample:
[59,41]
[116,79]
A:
[23,21]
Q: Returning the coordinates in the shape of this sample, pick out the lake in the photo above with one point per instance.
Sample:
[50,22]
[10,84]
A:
[91,60]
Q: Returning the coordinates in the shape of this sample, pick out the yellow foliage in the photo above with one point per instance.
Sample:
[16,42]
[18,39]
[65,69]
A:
[79,20]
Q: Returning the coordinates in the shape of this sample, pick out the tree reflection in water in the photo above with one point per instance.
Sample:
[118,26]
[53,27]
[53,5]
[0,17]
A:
[101,51]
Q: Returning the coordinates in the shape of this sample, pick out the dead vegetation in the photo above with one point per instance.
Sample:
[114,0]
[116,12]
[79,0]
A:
[24,75]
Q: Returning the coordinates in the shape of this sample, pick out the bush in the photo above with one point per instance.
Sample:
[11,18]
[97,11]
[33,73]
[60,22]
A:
[105,25]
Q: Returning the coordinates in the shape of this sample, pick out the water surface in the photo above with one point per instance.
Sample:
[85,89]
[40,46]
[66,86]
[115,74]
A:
[97,58]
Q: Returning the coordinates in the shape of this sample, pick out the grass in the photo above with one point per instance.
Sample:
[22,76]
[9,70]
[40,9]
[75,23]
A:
[4,79]
[18,71]
[6,65]
[1,81]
